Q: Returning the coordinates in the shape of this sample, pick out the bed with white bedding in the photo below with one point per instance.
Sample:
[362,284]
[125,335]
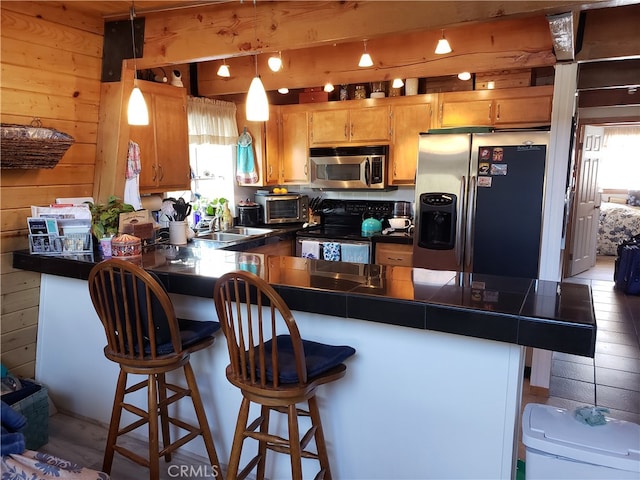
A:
[618,222]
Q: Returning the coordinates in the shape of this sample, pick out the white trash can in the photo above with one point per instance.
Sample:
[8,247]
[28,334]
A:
[558,446]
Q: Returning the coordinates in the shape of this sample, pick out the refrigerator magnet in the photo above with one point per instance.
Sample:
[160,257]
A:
[485,153]
[484,181]
[498,154]
[498,169]
[483,168]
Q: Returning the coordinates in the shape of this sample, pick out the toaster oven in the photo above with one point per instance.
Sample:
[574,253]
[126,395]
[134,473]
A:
[283,208]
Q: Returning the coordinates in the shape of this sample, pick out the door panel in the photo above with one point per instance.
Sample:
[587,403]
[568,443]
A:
[586,203]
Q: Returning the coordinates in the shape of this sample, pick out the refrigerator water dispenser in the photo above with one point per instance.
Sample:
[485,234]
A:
[437,226]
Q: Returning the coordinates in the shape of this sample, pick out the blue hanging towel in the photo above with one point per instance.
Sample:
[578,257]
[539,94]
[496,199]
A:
[246,164]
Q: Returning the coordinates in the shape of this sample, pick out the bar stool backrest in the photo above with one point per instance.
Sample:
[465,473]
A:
[257,333]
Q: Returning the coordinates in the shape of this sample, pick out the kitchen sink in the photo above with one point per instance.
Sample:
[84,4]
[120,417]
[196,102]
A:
[234,234]
[221,236]
[248,231]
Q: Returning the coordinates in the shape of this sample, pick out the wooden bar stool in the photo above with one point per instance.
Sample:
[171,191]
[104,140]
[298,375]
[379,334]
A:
[145,338]
[275,368]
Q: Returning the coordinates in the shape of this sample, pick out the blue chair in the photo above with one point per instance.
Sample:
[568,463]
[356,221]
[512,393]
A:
[275,368]
[145,337]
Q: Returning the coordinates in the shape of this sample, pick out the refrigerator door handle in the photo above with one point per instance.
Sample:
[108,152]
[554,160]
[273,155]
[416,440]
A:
[471,213]
[459,223]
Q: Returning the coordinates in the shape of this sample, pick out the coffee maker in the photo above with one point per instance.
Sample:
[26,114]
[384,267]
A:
[400,219]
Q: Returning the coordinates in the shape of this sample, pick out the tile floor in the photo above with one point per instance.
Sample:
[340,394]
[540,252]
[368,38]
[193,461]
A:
[612,378]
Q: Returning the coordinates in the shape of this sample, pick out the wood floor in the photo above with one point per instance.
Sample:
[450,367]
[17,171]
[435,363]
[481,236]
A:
[611,379]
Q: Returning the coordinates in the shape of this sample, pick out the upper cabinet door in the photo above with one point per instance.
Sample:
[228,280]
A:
[408,121]
[172,141]
[369,124]
[329,127]
[295,148]
[533,110]
[466,113]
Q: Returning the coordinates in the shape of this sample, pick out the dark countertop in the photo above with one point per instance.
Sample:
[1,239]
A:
[549,315]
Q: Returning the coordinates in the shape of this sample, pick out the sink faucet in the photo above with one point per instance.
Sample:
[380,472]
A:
[214,224]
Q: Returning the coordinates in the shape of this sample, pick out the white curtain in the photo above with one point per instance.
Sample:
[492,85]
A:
[211,121]
[620,166]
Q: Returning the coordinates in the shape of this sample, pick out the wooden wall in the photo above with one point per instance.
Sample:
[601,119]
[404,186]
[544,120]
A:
[51,63]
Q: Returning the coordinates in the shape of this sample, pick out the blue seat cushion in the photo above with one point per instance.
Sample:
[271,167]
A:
[319,357]
[191,332]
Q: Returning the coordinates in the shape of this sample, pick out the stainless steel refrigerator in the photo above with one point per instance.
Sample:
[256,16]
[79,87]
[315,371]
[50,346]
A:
[479,202]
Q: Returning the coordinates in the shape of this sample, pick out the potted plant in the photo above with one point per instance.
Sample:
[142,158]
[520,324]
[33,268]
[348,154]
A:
[105,217]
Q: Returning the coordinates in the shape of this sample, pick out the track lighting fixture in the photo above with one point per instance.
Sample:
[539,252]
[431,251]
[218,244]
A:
[443,46]
[275,62]
[365,59]
[464,76]
[283,90]
[223,71]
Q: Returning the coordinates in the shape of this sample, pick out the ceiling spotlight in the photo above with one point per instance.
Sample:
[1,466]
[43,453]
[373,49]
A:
[397,83]
[283,90]
[491,85]
[365,59]
[328,87]
[464,76]
[443,46]
[275,62]
[223,71]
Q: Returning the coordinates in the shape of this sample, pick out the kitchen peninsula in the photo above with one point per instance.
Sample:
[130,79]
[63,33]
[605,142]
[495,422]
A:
[434,388]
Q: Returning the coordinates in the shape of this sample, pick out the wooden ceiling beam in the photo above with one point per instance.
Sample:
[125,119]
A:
[477,48]
[611,33]
[234,29]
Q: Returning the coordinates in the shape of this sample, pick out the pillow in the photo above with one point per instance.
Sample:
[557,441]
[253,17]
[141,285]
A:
[634,198]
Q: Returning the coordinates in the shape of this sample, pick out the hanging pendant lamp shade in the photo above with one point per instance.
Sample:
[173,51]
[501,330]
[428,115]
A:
[397,83]
[365,59]
[443,46]
[137,113]
[275,62]
[257,102]
[223,71]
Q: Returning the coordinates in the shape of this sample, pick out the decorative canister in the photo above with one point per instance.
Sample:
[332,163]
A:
[126,246]
[360,93]
[344,92]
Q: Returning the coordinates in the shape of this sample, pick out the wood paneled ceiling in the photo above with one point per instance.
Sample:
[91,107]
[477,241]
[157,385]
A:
[319,39]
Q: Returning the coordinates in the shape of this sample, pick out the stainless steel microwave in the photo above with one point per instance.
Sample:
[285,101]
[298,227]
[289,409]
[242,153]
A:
[283,208]
[358,168]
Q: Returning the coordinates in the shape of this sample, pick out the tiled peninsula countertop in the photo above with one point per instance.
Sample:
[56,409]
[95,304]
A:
[548,315]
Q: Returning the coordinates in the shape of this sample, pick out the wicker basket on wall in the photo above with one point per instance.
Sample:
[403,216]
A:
[32,146]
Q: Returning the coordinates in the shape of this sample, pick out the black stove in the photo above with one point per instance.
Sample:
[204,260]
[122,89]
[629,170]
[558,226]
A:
[342,219]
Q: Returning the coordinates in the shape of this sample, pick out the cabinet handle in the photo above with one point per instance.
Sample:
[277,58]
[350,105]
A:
[161,172]
[490,106]
[345,130]
[498,112]
[306,169]
[155,173]
[352,130]
[441,113]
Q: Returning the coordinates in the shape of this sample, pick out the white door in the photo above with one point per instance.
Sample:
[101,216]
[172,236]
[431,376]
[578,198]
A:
[586,202]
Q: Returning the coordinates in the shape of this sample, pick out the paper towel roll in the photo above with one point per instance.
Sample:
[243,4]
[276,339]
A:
[151,202]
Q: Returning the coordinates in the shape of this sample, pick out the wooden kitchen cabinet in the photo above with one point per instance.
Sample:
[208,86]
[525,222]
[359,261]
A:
[164,143]
[280,144]
[394,254]
[284,248]
[363,124]
[294,147]
[504,108]
[407,121]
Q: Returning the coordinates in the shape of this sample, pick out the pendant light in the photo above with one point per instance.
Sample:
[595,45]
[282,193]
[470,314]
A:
[328,87]
[257,102]
[137,113]
[365,59]
[443,46]
[283,90]
[397,83]
[464,76]
[257,108]
[275,62]
[223,71]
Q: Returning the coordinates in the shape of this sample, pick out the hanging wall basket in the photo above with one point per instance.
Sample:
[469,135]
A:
[32,146]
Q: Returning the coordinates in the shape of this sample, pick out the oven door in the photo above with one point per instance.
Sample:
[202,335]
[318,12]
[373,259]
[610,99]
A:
[340,172]
[334,249]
